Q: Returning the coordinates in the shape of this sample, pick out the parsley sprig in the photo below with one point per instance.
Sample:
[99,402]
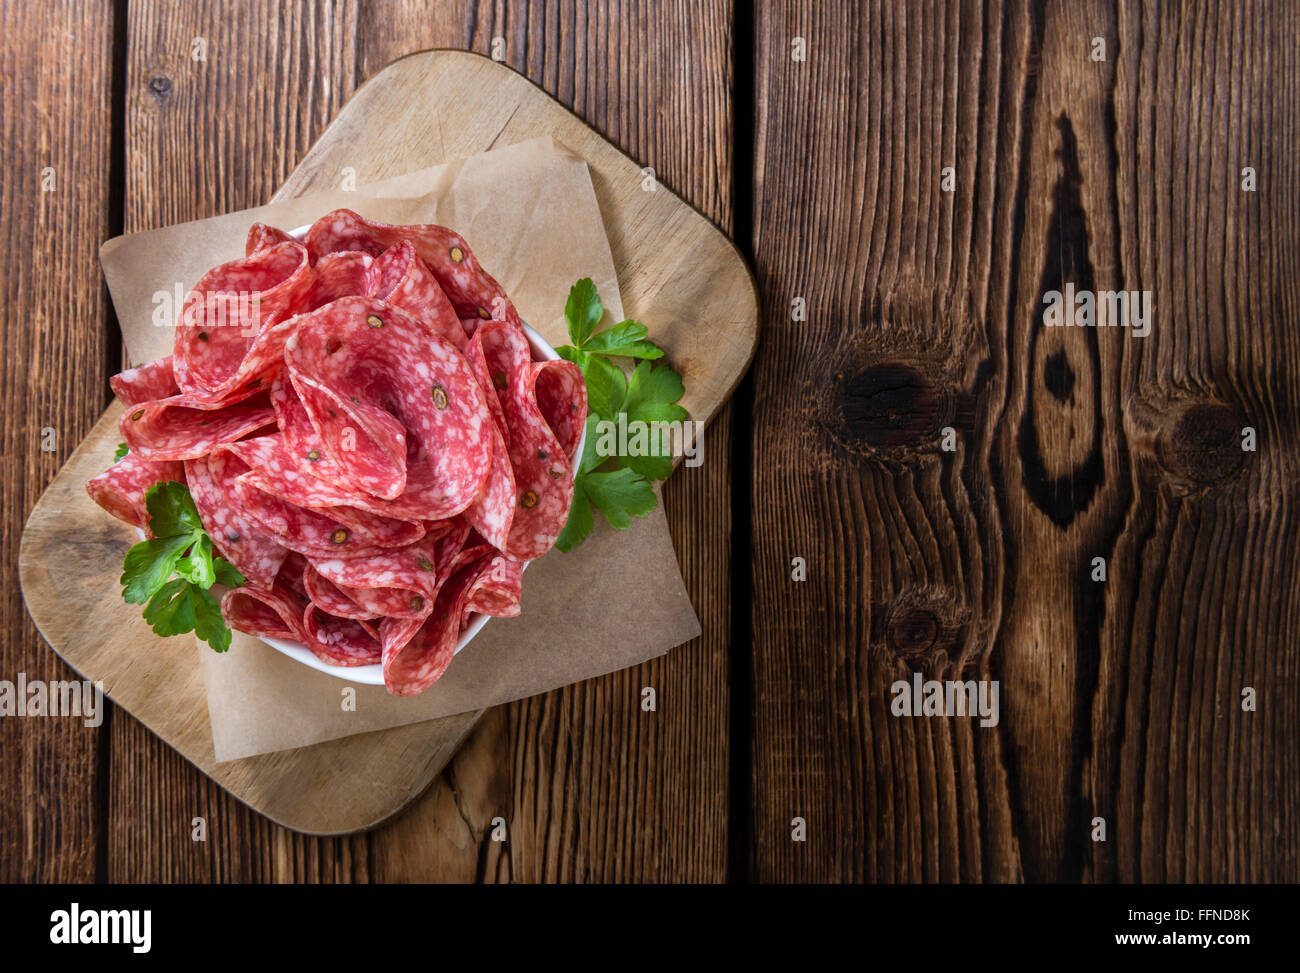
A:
[170,573]
[620,486]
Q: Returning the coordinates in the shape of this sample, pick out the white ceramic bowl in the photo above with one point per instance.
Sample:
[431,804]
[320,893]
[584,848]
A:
[373,675]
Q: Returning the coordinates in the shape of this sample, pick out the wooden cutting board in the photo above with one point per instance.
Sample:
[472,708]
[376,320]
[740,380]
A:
[422,110]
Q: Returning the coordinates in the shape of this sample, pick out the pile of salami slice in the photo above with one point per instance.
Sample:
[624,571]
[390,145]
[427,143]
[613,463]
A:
[366,436]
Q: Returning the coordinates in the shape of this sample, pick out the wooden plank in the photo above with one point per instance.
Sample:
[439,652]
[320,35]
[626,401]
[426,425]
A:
[1119,700]
[56,125]
[206,137]
[590,787]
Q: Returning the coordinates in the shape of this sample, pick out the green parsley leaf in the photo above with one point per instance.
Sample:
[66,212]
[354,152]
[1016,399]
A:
[590,458]
[627,339]
[227,573]
[171,610]
[582,310]
[170,573]
[620,495]
[624,490]
[606,388]
[652,387]
[196,567]
[570,353]
[171,510]
[149,564]
[657,462]
[208,623]
[651,392]
[580,523]
[122,450]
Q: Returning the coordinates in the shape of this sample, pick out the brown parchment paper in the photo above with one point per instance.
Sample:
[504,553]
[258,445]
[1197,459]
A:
[530,214]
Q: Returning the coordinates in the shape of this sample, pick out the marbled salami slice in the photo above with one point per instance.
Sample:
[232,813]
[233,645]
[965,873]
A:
[414,568]
[231,335]
[179,428]
[359,360]
[472,291]
[314,533]
[543,475]
[489,384]
[302,472]
[269,611]
[261,236]
[331,597]
[498,587]
[121,488]
[366,444]
[406,282]
[392,602]
[561,395]
[272,470]
[340,641]
[343,274]
[150,382]
[417,652]
[493,512]
[237,538]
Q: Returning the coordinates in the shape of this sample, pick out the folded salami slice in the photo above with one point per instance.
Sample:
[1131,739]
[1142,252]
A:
[472,291]
[392,602]
[561,395]
[239,539]
[301,439]
[493,512]
[147,383]
[343,274]
[272,611]
[415,652]
[406,282]
[273,470]
[489,384]
[261,236]
[365,443]
[316,534]
[498,587]
[329,596]
[542,490]
[121,488]
[417,568]
[231,335]
[360,366]
[300,471]
[340,641]
[180,428]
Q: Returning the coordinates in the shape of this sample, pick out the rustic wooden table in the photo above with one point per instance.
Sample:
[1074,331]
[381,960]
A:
[908,178]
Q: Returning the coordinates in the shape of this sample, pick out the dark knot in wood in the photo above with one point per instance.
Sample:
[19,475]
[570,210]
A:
[924,627]
[913,632]
[893,405]
[1204,443]
[160,85]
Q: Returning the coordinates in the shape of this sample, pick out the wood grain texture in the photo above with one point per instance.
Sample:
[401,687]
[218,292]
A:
[203,138]
[656,819]
[55,126]
[1121,699]
[591,788]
